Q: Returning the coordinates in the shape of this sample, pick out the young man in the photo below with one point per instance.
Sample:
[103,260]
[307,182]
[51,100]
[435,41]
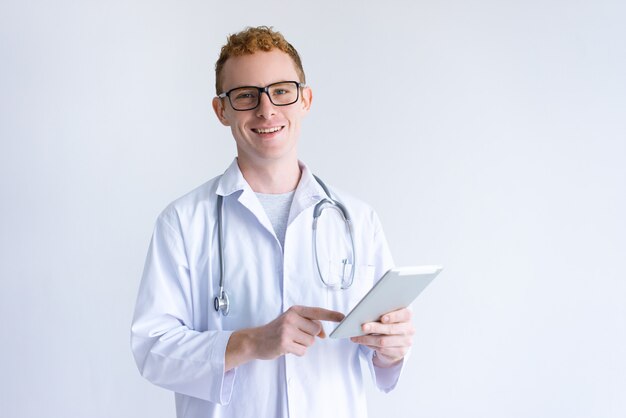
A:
[236,283]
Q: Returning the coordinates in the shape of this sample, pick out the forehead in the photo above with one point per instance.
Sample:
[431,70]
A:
[258,69]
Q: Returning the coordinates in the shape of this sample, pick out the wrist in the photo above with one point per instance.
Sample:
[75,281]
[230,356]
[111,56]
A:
[239,349]
[381,360]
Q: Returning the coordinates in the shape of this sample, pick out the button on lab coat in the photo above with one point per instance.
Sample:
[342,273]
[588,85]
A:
[179,340]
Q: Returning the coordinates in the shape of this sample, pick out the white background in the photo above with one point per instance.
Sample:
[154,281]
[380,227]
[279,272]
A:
[489,135]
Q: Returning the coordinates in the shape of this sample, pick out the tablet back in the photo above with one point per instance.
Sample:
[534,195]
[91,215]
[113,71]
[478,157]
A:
[396,290]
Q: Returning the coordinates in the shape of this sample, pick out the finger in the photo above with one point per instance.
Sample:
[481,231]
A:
[304,339]
[400,315]
[322,333]
[310,327]
[402,328]
[390,354]
[318,313]
[388,357]
[296,349]
[380,342]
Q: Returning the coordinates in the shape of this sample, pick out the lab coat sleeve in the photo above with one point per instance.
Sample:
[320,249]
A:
[167,350]
[386,378]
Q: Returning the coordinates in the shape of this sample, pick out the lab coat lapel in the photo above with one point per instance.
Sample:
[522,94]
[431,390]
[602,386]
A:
[251,202]
[307,194]
[232,181]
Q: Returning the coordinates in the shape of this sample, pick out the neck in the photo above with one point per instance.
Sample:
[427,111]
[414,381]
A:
[274,178]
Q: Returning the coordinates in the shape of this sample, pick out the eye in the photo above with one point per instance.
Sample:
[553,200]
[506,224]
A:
[244,96]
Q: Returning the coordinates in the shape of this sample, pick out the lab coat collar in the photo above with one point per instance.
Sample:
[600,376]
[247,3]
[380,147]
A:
[308,187]
[233,181]
[308,192]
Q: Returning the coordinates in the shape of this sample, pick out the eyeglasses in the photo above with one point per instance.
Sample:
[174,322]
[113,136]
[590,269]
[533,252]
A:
[282,93]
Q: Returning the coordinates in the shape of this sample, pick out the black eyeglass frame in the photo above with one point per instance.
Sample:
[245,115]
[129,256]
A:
[262,90]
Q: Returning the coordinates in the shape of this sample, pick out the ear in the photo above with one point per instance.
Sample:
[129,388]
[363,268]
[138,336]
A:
[218,108]
[307,98]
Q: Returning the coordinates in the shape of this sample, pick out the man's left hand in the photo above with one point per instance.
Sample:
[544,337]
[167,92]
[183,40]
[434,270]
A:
[390,337]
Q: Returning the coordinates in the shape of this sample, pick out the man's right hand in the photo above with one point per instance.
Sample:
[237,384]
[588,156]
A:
[291,333]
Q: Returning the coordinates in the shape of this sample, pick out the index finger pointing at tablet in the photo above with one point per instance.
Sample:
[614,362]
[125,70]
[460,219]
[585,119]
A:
[319,314]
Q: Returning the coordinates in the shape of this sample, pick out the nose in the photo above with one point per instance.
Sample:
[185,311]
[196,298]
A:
[265,109]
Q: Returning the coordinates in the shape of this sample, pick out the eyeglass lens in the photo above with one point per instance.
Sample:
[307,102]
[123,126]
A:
[280,94]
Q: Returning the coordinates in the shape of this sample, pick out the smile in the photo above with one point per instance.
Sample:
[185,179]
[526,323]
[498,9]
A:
[267,130]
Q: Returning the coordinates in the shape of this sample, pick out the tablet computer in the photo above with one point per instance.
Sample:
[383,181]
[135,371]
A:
[395,290]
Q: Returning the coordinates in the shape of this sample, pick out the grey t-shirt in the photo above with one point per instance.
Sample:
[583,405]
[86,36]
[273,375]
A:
[277,208]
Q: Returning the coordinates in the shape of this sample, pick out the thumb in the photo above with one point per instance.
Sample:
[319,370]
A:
[322,333]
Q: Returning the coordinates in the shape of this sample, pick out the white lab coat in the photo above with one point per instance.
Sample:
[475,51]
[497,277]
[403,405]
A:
[179,341]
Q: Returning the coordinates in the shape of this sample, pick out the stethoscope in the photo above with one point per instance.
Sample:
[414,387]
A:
[221,303]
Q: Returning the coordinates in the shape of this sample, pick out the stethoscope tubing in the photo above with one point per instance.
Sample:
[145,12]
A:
[221,302]
[342,211]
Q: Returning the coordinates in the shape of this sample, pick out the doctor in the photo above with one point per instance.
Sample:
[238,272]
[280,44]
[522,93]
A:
[266,354]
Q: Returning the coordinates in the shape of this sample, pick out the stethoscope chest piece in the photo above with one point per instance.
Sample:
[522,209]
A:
[221,303]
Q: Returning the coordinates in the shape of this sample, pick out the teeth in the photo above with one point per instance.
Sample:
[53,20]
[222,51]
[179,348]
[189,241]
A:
[268,130]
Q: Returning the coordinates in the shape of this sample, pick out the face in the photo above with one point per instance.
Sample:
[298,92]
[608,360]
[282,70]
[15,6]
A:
[268,133]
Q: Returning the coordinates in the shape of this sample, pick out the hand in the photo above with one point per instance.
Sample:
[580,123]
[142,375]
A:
[391,337]
[290,333]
